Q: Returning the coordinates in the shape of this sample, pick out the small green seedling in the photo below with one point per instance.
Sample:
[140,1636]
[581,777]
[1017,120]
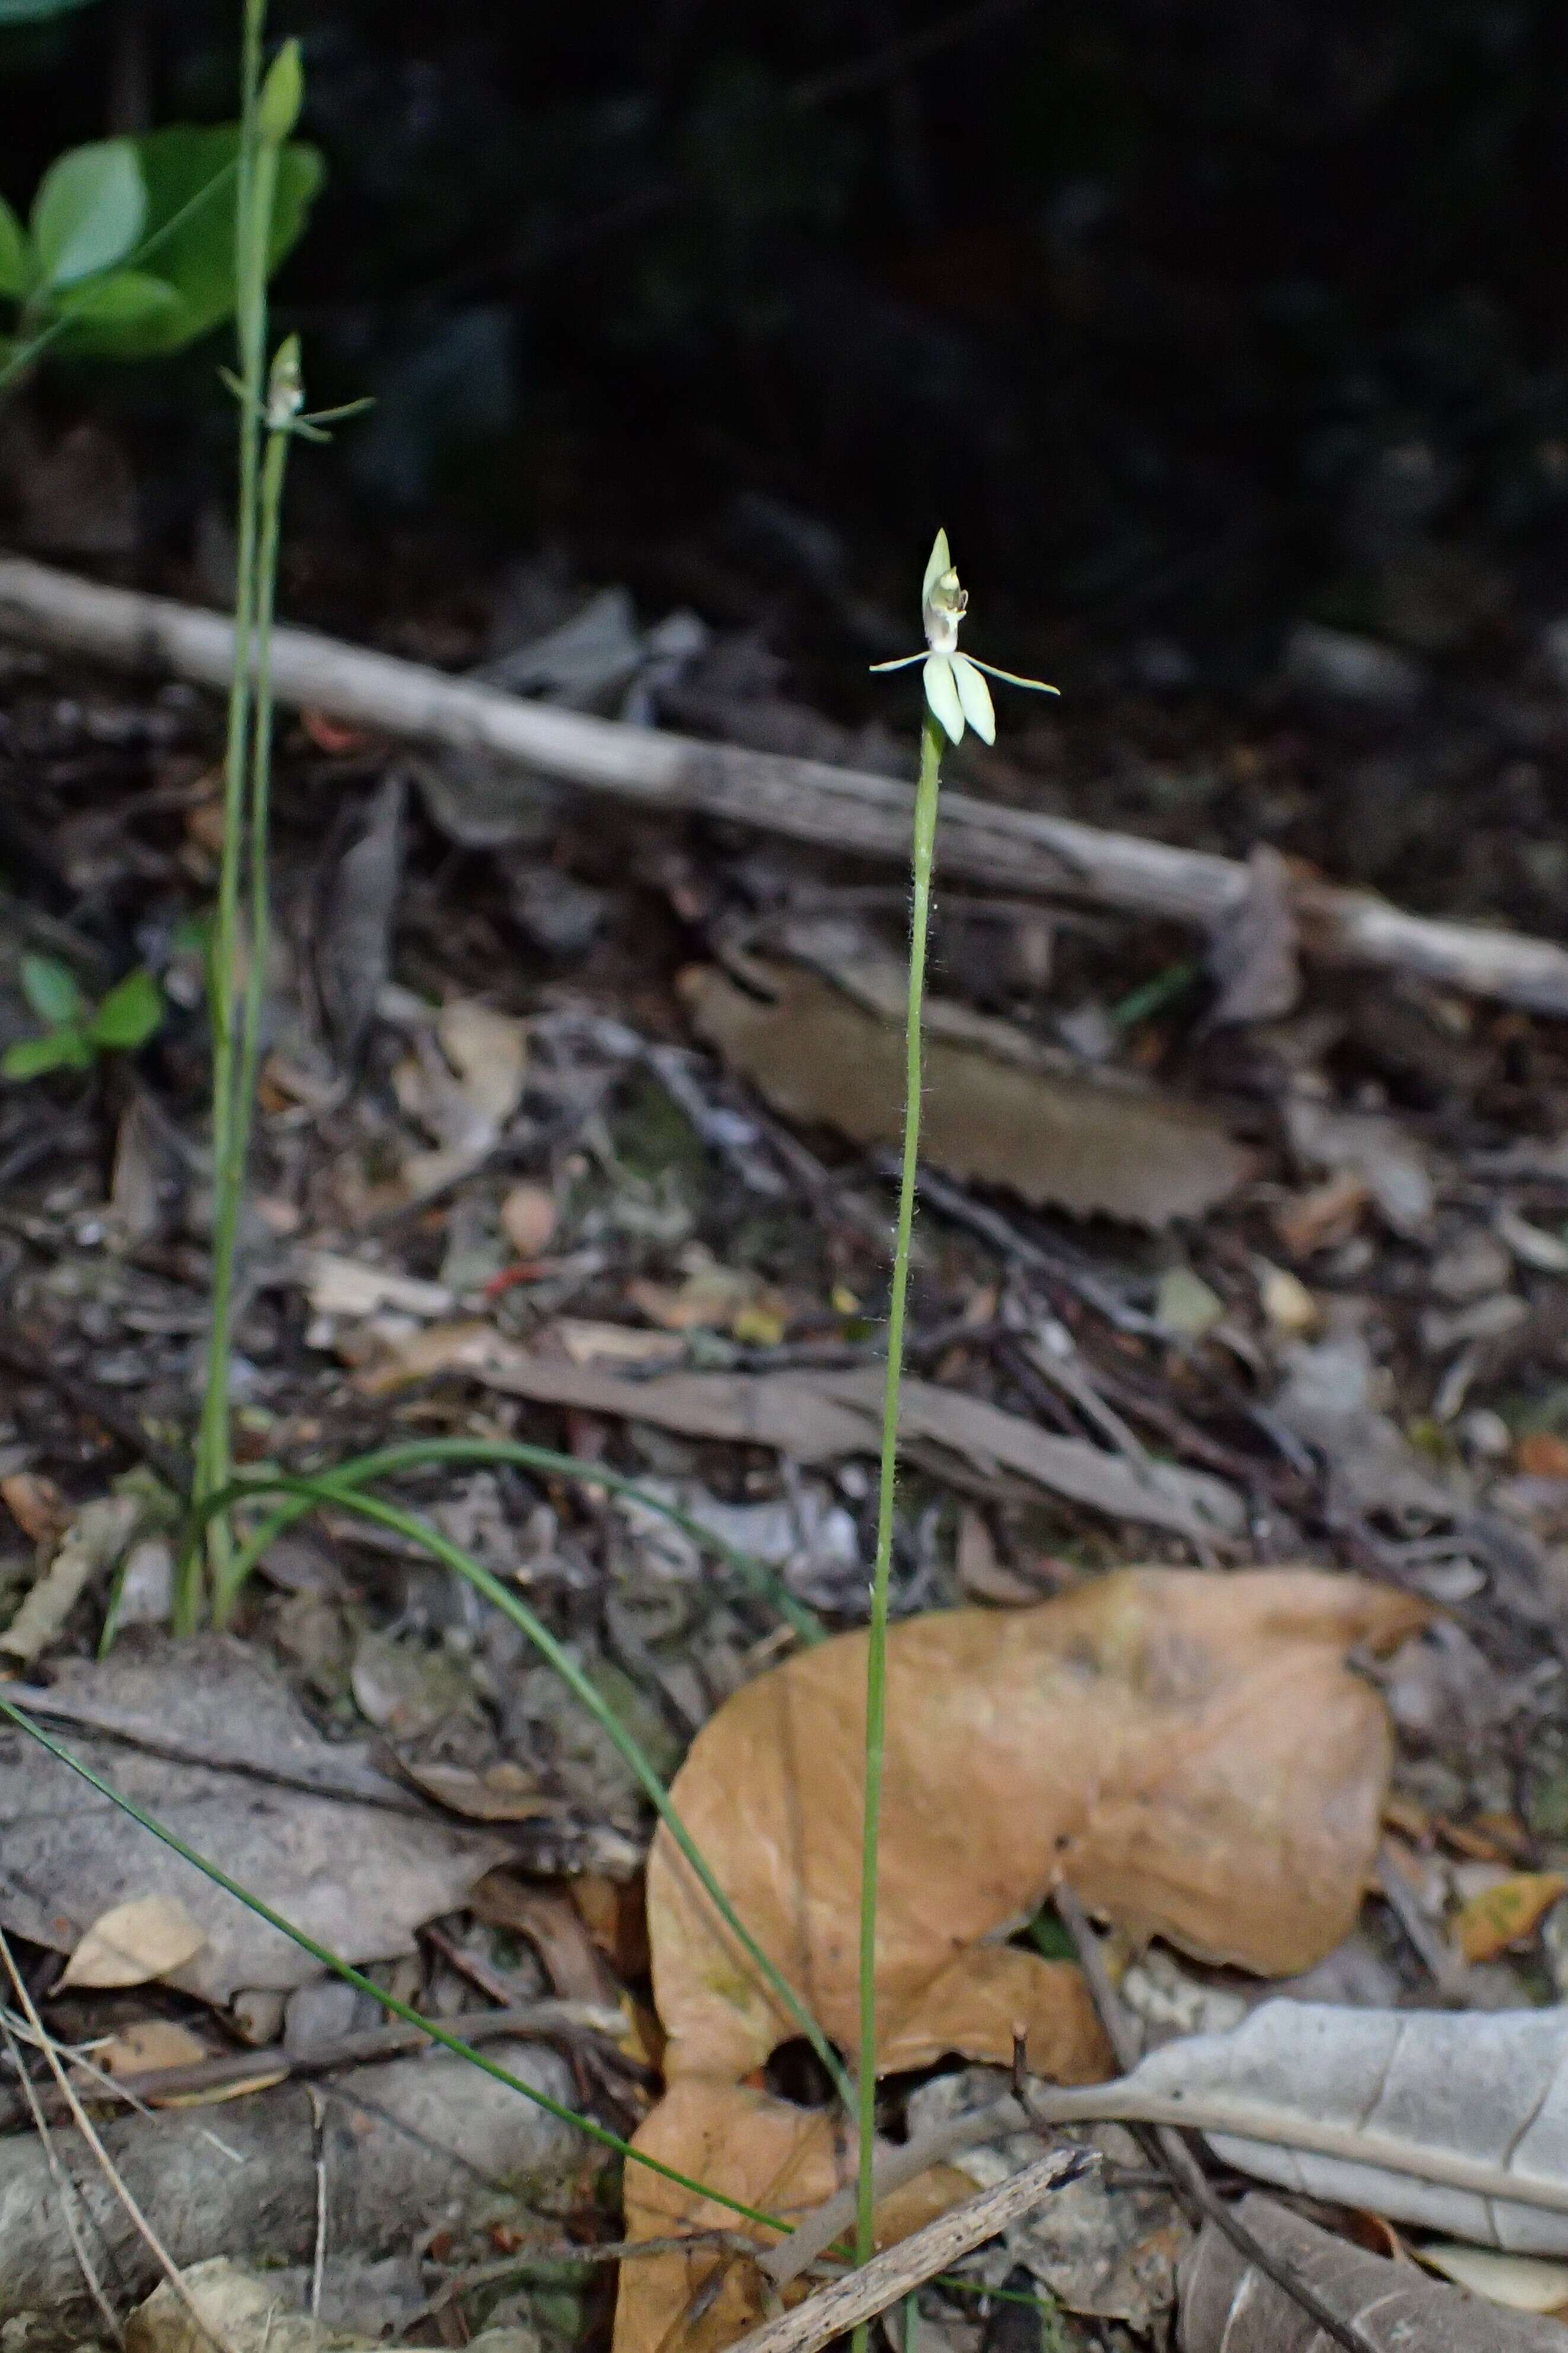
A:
[78,1033]
[128,252]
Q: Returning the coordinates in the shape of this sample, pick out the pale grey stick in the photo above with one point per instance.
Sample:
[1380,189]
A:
[1021,850]
[860,2294]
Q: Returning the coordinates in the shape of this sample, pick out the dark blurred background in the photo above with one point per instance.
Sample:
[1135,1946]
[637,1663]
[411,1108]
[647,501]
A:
[1191,318]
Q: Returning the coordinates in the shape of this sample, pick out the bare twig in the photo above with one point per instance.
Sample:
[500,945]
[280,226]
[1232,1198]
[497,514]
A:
[858,815]
[319,2155]
[861,2294]
[1176,2149]
[528,2021]
[111,2172]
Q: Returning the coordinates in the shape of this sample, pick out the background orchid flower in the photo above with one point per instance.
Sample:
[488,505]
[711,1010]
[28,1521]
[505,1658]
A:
[955,691]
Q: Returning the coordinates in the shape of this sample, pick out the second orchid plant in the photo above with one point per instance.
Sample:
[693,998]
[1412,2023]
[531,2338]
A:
[956,696]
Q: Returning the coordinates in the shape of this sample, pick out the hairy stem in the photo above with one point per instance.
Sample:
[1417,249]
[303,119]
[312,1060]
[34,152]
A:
[877,1645]
[252,233]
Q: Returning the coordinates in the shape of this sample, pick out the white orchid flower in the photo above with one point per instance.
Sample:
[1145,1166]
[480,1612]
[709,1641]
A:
[956,693]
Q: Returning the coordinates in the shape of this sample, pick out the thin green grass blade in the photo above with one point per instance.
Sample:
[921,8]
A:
[440,1547]
[364,1468]
[351,1975]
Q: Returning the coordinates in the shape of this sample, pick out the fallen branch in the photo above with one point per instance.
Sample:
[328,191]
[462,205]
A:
[862,2293]
[262,2069]
[855,814]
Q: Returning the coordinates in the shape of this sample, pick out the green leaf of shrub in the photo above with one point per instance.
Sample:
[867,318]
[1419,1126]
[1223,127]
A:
[177,162]
[89,211]
[129,1013]
[30,1058]
[51,988]
[125,314]
[14,262]
[35,12]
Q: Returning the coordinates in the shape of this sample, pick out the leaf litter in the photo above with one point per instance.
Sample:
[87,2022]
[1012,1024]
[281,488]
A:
[1142,1737]
[1402,1414]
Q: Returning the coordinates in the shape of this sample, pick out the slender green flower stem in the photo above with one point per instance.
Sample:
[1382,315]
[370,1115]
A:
[390,2003]
[441,1547]
[926,794]
[273,467]
[364,1469]
[252,234]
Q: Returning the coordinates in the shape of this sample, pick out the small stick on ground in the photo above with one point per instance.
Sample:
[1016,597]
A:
[537,2020]
[1174,2149]
[318,2154]
[876,2285]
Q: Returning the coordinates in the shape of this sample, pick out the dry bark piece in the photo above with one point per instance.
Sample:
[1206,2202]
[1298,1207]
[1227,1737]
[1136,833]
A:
[1145,1736]
[1252,955]
[356,904]
[404,2140]
[1229,2307]
[1056,1137]
[97,1536]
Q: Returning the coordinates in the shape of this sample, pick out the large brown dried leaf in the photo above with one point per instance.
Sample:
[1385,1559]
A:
[1189,1750]
[1050,1135]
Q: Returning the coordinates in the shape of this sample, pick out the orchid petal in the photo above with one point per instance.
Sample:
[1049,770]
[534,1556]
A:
[942,694]
[903,662]
[975,697]
[1038,684]
[940,561]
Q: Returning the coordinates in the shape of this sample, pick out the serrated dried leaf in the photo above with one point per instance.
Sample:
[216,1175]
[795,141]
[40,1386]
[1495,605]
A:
[1052,1136]
[149,1938]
